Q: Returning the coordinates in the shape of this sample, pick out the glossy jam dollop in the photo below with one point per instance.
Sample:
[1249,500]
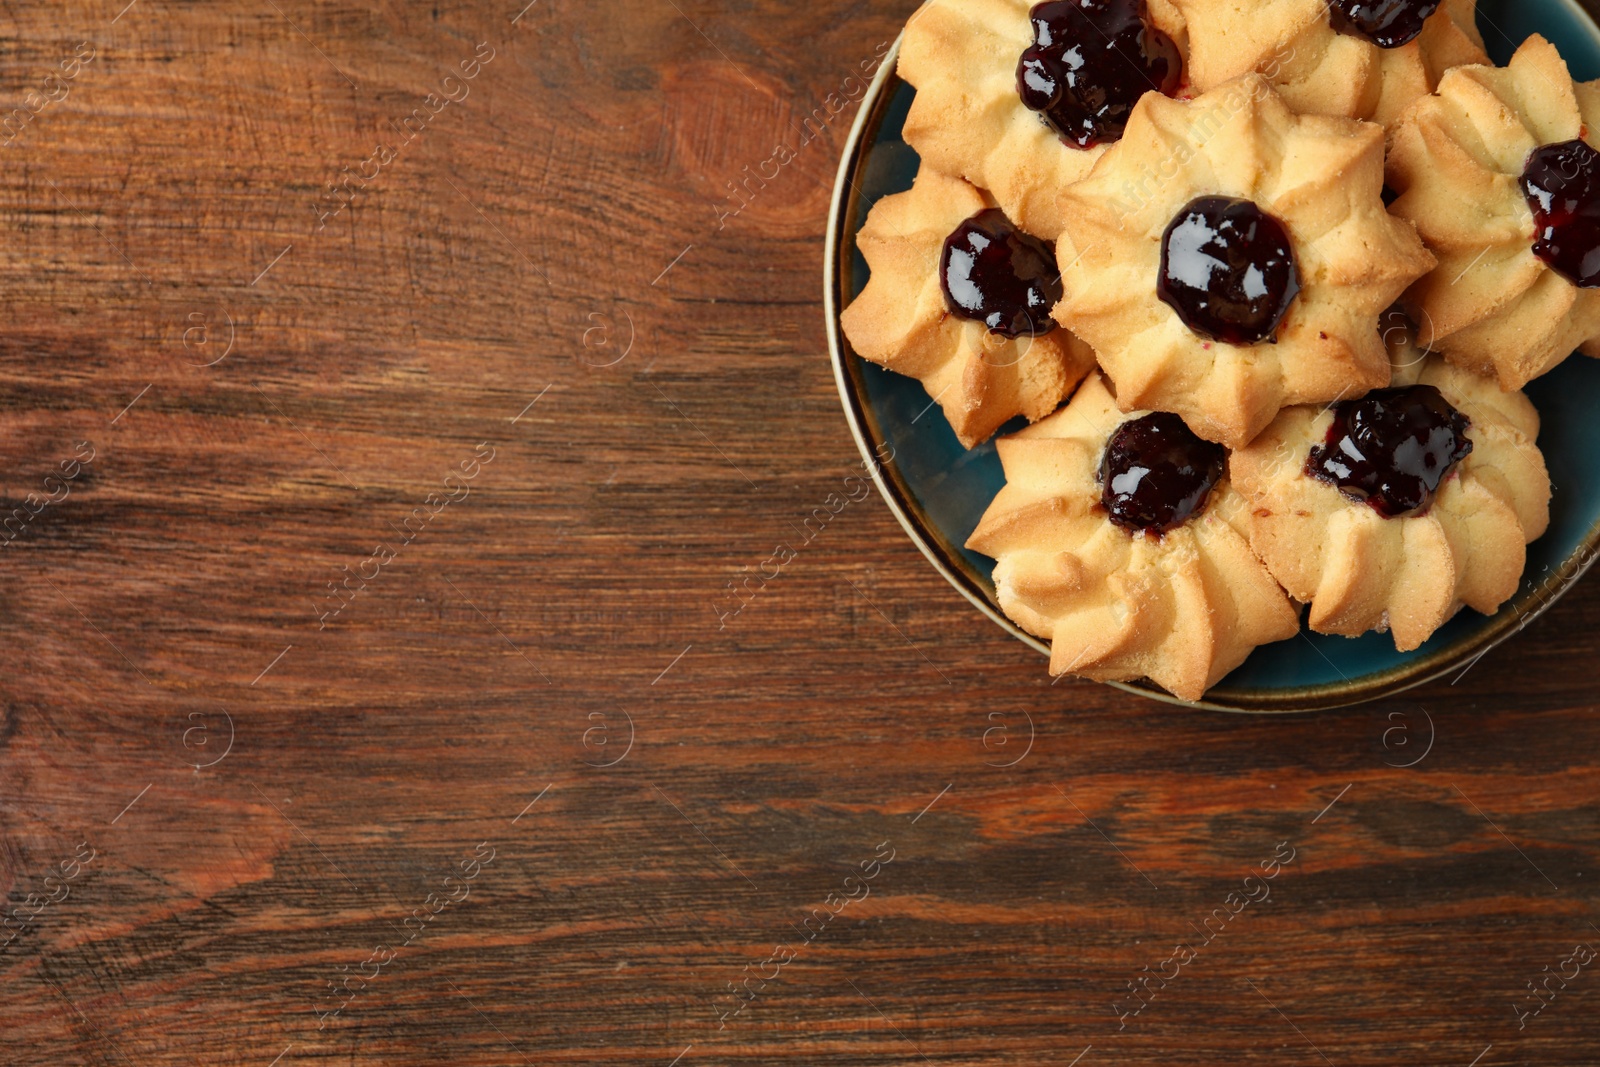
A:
[1157,474]
[1562,184]
[1386,23]
[1228,270]
[996,274]
[1090,62]
[1392,448]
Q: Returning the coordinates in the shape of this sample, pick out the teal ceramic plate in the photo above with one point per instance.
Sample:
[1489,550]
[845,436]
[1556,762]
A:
[938,490]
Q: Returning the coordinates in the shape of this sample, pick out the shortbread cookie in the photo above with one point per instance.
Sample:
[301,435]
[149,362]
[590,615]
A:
[1119,539]
[1498,174]
[1021,99]
[1360,59]
[960,299]
[1392,511]
[1228,258]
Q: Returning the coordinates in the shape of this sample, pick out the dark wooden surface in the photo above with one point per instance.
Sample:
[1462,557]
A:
[192,901]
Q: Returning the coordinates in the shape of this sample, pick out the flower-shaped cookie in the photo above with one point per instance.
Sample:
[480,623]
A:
[971,61]
[1391,512]
[1361,59]
[1228,258]
[1120,540]
[1498,175]
[960,299]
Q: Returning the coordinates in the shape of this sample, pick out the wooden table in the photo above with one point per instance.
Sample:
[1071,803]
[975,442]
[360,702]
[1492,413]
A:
[372,688]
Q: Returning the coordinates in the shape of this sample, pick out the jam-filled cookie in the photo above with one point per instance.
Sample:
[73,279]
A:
[1499,174]
[1393,511]
[1022,98]
[960,298]
[1119,539]
[1360,59]
[1228,258]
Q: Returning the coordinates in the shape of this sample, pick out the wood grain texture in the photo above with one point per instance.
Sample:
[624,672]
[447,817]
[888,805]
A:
[542,277]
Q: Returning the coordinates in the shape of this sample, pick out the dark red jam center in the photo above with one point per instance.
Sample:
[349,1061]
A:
[1228,270]
[1090,62]
[1157,474]
[996,274]
[1392,448]
[1386,23]
[1562,184]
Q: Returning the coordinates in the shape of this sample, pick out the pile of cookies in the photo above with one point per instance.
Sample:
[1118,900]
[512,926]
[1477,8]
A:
[1266,279]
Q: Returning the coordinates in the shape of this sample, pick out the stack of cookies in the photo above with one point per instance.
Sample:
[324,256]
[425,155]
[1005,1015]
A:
[1267,280]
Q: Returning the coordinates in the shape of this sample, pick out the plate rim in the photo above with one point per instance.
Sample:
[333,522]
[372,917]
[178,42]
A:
[1514,616]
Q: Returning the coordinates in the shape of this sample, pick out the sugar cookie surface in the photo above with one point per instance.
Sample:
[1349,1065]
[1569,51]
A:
[901,321]
[1182,609]
[1491,305]
[1321,178]
[1360,571]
